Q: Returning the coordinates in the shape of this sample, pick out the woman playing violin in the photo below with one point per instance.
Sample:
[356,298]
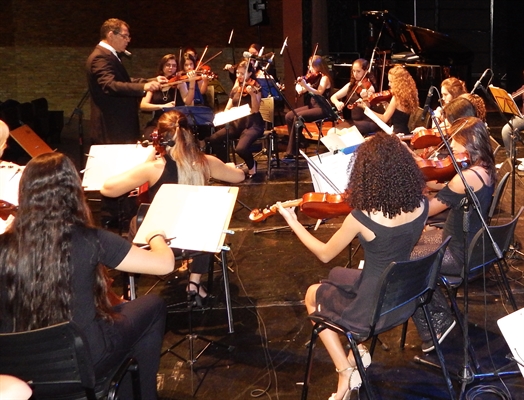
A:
[403,102]
[247,129]
[201,85]
[450,89]
[470,135]
[360,86]
[170,96]
[318,82]
[389,212]
[182,163]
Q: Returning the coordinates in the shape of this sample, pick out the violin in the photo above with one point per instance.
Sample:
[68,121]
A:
[379,97]
[249,83]
[179,79]
[315,205]
[364,83]
[205,71]
[311,78]
[442,170]
[426,138]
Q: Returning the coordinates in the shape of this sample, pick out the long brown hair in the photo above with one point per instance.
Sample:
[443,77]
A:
[35,252]
[193,168]
[404,88]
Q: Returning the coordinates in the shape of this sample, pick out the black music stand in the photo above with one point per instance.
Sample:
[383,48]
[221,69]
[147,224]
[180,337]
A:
[198,116]
[506,105]
[190,209]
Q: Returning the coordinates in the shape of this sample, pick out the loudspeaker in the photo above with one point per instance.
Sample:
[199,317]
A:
[257,10]
[30,141]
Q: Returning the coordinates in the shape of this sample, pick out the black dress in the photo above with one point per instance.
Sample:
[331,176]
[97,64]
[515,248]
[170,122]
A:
[345,297]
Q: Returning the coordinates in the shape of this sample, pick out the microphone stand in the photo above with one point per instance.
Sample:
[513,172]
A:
[299,121]
[80,113]
[467,376]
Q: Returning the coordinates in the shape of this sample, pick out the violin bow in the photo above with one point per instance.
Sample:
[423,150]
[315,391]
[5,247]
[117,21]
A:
[201,58]
[179,59]
[365,74]
[231,44]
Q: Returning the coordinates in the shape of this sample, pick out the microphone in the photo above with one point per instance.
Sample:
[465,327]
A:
[147,143]
[427,103]
[283,46]
[127,53]
[264,57]
[477,84]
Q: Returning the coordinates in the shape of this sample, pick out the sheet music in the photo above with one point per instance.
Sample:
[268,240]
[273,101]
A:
[105,161]
[381,124]
[334,167]
[505,102]
[512,327]
[10,175]
[232,114]
[195,216]
[342,139]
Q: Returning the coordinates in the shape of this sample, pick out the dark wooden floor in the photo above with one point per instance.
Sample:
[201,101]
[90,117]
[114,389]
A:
[269,273]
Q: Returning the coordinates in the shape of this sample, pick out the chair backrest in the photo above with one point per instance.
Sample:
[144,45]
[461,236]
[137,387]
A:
[50,358]
[481,251]
[404,286]
[267,110]
[497,194]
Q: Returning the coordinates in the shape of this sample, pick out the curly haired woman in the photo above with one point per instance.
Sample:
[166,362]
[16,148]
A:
[389,213]
[403,102]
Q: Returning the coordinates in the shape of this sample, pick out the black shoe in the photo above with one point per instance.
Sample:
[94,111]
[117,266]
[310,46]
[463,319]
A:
[194,297]
[252,172]
[428,345]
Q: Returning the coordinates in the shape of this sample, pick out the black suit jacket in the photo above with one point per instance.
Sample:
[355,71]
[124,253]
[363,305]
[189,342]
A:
[115,99]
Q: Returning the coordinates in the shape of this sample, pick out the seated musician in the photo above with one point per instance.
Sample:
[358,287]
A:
[470,135]
[170,96]
[183,163]
[450,89]
[360,86]
[316,82]
[52,262]
[201,84]
[246,129]
[392,218]
[404,100]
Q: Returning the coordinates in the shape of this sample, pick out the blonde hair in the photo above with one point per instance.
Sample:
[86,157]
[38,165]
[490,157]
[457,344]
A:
[192,164]
[403,88]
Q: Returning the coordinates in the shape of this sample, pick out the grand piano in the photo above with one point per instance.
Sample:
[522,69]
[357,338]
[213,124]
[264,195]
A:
[429,56]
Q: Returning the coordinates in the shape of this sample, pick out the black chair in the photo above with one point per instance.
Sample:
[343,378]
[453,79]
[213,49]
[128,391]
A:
[481,257]
[404,286]
[497,195]
[56,363]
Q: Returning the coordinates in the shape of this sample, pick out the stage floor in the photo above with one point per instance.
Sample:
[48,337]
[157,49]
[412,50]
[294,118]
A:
[269,273]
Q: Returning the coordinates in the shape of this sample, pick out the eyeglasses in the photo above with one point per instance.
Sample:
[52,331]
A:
[126,36]
[170,65]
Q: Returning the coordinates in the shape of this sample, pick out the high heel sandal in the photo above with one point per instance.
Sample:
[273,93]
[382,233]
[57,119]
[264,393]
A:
[253,171]
[355,380]
[194,296]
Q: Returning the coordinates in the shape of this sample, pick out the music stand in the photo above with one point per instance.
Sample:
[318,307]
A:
[189,210]
[507,105]
[197,116]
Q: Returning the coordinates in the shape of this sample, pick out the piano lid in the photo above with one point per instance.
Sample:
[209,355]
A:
[412,43]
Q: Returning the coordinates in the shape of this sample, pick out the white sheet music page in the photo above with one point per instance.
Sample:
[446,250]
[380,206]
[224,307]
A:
[105,161]
[10,175]
[512,328]
[232,114]
[334,166]
[194,216]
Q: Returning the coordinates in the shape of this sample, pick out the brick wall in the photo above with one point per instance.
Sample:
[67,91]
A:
[44,44]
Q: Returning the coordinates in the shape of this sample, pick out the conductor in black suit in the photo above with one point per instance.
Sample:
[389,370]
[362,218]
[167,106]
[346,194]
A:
[115,97]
